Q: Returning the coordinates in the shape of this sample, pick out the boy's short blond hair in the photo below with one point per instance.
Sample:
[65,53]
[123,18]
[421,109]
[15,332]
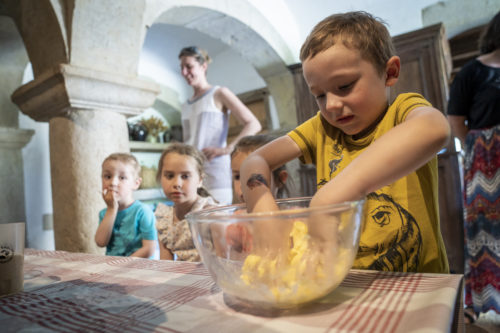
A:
[356,30]
[127,159]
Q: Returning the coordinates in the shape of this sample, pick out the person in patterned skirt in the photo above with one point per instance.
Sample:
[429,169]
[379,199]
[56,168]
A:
[474,115]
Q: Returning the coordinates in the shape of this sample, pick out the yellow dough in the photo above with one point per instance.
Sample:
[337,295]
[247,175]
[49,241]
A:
[294,277]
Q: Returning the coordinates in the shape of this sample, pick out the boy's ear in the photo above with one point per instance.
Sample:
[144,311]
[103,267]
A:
[138,182]
[392,69]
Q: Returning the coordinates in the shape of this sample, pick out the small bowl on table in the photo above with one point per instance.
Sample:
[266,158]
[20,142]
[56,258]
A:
[278,260]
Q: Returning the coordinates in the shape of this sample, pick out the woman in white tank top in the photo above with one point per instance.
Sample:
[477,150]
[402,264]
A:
[205,119]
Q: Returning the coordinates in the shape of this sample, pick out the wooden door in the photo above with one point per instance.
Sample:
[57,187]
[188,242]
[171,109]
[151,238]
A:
[426,66]
[306,108]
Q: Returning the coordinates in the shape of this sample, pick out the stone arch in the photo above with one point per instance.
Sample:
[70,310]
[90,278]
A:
[231,22]
[93,48]
[262,47]
[232,32]
[84,57]
[43,49]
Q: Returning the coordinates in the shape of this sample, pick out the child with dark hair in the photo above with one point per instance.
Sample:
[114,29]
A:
[243,148]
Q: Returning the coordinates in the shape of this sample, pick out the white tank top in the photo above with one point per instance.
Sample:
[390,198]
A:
[204,125]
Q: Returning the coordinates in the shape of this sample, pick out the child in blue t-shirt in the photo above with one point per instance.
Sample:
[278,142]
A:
[126,226]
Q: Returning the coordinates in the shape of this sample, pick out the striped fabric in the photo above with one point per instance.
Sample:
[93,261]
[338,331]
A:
[482,219]
[74,292]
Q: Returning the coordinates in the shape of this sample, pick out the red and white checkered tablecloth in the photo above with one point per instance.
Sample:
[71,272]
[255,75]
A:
[76,292]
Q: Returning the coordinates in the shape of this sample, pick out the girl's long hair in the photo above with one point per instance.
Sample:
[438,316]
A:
[187,150]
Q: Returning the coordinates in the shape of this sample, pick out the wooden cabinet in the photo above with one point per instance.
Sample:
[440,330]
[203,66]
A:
[258,102]
[464,47]
[426,66]
[305,103]
[306,107]
[451,209]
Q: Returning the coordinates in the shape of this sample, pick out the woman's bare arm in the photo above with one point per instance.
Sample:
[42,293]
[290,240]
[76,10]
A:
[251,125]
[458,127]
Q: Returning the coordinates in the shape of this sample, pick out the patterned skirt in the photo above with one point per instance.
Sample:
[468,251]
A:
[482,219]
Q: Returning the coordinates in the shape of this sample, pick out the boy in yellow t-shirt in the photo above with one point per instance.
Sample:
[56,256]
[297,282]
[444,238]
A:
[364,147]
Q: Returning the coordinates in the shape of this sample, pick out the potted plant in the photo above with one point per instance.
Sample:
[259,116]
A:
[154,126]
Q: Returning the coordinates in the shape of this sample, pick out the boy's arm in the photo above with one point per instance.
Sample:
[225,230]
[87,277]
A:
[105,228]
[147,229]
[400,151]
[147,249]
[255,172]
[243,115]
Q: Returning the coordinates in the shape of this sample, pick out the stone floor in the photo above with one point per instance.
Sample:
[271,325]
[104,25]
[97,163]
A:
[486,323]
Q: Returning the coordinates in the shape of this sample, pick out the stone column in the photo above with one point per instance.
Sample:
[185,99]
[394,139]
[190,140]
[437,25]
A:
[13,60]
[12,140]
[84,56]
[86,110]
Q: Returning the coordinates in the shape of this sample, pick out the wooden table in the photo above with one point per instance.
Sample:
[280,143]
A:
[76,292]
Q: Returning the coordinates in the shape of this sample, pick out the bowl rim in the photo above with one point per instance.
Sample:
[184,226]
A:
[207,215]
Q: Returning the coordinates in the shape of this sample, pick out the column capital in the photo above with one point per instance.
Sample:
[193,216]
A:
[56,92]
[14,138]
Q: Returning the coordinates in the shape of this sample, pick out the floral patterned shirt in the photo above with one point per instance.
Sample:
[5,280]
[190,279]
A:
[176,236]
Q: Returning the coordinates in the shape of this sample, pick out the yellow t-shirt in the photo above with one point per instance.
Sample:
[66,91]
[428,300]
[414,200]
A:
[401,230]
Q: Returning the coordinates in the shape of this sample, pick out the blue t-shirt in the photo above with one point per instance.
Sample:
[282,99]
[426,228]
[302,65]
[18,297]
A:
[132,225]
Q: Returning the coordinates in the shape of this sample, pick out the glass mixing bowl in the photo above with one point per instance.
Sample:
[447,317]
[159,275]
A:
[280,259]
